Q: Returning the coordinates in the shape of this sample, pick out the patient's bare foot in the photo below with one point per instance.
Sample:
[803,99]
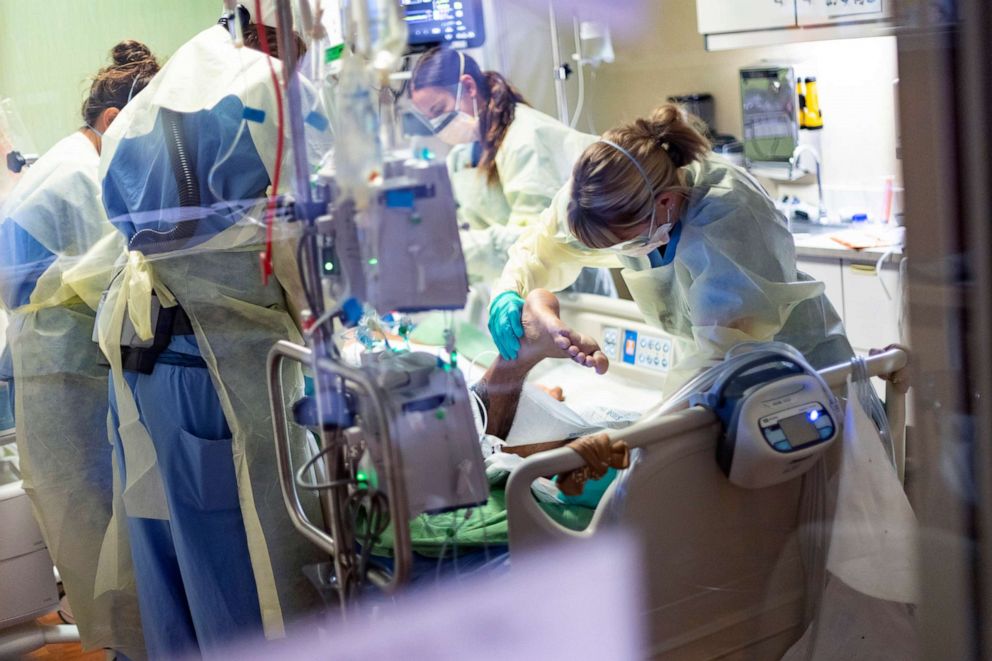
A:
[546,336]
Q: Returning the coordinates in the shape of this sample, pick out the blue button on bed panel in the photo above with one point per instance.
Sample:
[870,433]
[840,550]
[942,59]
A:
[629,347]
[783,446]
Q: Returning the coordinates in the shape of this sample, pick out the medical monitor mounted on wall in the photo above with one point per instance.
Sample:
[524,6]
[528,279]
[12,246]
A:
[453,23]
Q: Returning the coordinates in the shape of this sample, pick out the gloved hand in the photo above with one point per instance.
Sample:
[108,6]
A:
[505,323]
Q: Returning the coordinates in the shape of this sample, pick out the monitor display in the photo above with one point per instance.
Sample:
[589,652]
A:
[455,23]
[800,430]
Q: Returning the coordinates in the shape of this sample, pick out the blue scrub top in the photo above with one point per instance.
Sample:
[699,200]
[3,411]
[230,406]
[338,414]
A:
[140,192]
[666,254]
[22,261]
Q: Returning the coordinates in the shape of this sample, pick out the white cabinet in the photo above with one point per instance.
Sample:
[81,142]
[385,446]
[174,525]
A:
[828,12]
[829,272]
[868,303]
[731,24]
[717,16]
[871,305]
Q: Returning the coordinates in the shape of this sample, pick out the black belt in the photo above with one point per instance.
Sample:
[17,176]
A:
[171,321]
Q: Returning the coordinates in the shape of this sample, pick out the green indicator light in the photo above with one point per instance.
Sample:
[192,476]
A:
[362,477]
[373,261]
[439,414]
[333,53]
[328,266]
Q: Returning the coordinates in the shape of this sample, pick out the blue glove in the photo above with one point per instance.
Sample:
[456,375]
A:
[505,323]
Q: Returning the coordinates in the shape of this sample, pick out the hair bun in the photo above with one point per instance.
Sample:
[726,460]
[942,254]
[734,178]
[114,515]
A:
[678,133]
[130,51]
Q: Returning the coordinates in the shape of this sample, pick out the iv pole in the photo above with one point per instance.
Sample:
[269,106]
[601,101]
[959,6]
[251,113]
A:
[559,71]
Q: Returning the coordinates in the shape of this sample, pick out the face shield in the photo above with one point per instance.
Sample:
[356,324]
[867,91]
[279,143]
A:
[455,127]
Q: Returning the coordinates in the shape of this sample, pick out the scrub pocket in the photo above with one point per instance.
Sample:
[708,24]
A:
[206,473]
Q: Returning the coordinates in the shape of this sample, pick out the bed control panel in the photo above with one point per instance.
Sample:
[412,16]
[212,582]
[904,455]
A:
[637,348]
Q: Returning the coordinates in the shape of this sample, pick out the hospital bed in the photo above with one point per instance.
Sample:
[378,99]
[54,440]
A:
[724,575]
[640,356]
[723,564]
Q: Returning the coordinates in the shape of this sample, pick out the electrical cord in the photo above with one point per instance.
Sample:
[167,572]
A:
[878,270]
[374,505]
[474,362]
[482,410]
[301,268]
[320,321]
[482,517]
[319,486]
[367,509]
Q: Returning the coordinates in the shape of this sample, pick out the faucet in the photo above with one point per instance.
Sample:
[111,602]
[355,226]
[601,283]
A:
[794,164]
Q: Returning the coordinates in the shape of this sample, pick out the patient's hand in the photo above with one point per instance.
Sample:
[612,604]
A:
[546,336]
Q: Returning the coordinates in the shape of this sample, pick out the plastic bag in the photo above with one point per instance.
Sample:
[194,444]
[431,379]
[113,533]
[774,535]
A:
[866,607]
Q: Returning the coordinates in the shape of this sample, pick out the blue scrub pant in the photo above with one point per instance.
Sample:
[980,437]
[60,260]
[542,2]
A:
[196,589]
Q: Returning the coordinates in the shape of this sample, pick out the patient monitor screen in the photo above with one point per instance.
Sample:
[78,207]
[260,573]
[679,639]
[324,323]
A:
[457,23]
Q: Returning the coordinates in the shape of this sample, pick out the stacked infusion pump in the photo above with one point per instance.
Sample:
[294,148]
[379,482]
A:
[402,254]
[380,235]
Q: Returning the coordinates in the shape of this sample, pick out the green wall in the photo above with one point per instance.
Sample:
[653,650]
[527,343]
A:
[49,49]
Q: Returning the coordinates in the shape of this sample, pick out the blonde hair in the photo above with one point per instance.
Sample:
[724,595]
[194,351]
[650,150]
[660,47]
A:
[608,190]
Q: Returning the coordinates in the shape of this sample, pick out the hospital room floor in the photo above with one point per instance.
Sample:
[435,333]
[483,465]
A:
[63,652]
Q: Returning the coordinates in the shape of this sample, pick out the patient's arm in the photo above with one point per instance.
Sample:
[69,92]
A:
[500,389]
[544,337]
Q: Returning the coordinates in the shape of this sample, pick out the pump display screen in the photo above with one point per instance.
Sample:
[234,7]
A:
[795,429]
[799,430]
[456,23]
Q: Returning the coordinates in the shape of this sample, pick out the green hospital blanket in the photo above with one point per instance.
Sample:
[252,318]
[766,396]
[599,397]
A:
[434,534]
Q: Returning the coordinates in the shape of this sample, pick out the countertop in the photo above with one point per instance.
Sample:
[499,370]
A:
[814,241]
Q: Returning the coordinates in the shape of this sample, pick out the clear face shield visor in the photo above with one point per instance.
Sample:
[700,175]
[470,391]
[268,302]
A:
[446,120]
